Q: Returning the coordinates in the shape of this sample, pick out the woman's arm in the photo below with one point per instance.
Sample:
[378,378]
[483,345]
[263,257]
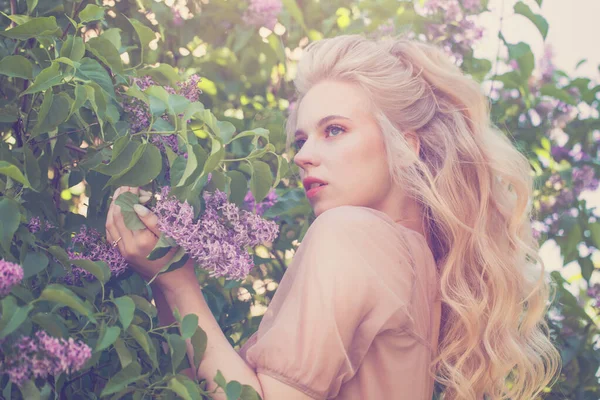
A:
[182,290]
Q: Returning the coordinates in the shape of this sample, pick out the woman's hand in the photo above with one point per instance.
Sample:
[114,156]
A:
[136,245]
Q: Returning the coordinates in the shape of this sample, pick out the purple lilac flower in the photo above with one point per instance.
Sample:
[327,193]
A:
[218,239]
[88,244]
[560,153]
[449,27]
[594,293]
[11,274]
[546,66]
[584,179]
[34,225]
[139,113]
[262,13]
[43,355]
[263,206]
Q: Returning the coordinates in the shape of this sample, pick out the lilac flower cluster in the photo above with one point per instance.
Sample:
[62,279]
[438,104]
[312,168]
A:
[218,239]
[35,225]
[261,207]
[44,355]
[11,274]
[456,32]
[594,293]
[262,13]
[139,113]
[88,244]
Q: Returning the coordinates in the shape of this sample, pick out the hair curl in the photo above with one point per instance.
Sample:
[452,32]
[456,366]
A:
[475,190]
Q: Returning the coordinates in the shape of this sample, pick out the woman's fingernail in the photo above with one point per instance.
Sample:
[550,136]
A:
[144,199]
[145,193]
[140,210]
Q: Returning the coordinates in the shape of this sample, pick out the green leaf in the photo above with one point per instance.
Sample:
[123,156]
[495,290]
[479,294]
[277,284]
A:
[248,393]
[184,387]
[91,71]
[33,264]
[549,89]
[81,96]
[59,254]
[189,325]
[32,169]
[104,50]
[73,48]
[539,21]
[30,391]
[163,72]
[220,379]
[145,165]
[162,247]
[178,260]
[128,375]
[199,341]
[126,308]
[53,112]
[10,113]
[108,335]
[47,78]
[97,268]
[12,315]
[217,154]
[114,36]
[10,217]
[296,12]
[142,338]
[59,294]
[123,150]
[52,323]
[197,157]
[31,5]
[126,200]
[261,180]
[90,13]
[34,28]
[13,172]
[145,34]
[125,356]
[143,305]
[16,67]
[233,390]
[177,348]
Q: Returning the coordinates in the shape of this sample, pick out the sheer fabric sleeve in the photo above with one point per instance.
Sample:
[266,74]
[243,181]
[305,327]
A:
[350,279]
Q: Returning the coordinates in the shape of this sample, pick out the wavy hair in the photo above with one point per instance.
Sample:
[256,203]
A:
[475,190]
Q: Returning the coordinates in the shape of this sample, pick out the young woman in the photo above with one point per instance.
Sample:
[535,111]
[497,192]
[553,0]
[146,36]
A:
[424,203]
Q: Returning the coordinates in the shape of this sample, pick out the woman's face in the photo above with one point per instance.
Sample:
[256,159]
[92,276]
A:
[340,143]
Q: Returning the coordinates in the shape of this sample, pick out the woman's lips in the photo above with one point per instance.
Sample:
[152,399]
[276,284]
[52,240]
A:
[314,191]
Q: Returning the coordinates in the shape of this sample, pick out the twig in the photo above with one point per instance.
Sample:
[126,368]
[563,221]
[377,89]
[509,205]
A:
[13,11]
[73,15]
[76,149]
[66,133]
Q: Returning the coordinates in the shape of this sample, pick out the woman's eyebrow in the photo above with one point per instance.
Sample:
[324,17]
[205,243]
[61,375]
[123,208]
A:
[321,122]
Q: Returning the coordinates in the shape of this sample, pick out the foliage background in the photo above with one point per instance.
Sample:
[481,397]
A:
[62,116]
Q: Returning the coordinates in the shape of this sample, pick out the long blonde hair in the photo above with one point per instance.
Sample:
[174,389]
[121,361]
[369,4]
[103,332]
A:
[475,190]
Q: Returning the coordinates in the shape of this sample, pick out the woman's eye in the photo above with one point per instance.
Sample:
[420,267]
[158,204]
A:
[334,127]
[329,128]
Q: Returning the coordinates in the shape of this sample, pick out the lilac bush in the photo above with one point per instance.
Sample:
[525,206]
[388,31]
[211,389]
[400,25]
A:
[262,13]
[217,240]
[90,245]
[11,274]
[43,355]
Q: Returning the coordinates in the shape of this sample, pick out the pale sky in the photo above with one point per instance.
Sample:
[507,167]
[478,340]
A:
[571,35]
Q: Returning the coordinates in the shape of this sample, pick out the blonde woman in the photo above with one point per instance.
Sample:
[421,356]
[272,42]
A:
[421,265]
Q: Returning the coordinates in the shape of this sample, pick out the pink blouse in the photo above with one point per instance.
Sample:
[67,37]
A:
[353,316]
